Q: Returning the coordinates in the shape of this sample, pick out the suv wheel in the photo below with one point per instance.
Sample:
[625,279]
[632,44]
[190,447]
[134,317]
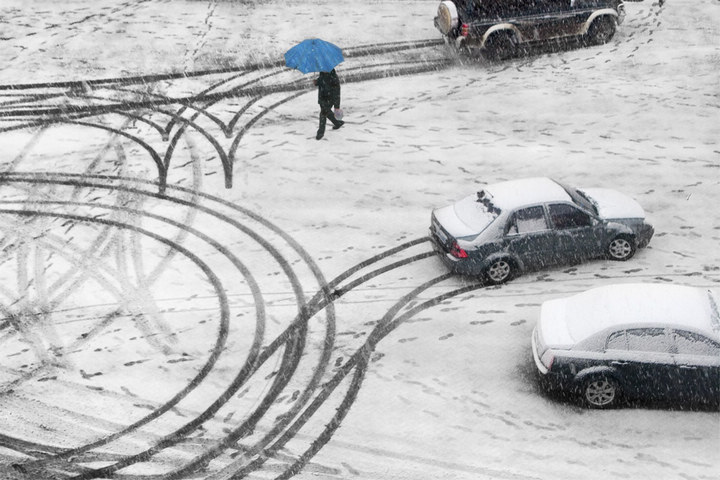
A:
[621,248]
[500,271]
[500,46]
[600,392]
[601,30]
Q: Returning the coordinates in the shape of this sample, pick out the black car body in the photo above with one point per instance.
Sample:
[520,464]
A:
[531,223]
[499,28]
[638,341]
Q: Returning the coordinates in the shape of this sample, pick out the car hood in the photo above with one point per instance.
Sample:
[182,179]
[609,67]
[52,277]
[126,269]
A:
[465,218]
[613,204]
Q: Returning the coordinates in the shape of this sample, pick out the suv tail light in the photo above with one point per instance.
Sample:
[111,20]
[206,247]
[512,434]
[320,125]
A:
[464,30]
[457,252]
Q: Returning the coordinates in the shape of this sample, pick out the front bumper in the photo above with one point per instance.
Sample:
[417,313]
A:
[645,234]
[557,383]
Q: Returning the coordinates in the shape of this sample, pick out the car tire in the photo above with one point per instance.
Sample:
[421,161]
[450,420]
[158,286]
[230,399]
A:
[500,46]
[601,30]
[600,391]
[621,248]
[499,271]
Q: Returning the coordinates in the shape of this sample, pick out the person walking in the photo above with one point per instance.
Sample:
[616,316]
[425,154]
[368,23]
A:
[328,85]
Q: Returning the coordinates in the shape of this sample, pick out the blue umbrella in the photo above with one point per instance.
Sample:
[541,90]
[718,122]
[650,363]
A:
[314,55]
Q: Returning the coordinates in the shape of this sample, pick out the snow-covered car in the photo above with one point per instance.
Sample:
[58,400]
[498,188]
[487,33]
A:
[499,28]
[652,341]
[530,223]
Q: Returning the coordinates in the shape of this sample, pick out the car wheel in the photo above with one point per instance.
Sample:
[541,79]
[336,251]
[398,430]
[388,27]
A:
[500,46]
[601,392]
[500,271]
[601,30]
[621,248]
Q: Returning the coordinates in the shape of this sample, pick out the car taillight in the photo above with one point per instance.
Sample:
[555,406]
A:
[464,30]
[457,252]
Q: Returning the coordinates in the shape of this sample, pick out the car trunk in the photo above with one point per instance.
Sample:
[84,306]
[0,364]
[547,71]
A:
[553,326]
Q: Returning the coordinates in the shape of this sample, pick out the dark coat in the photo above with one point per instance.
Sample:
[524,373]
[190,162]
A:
[329,89]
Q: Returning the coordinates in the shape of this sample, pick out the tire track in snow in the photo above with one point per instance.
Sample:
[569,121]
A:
[341,291]
[78,184]
[138,213]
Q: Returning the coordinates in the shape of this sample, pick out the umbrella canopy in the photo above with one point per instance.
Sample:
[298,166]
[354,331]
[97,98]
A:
[314,55]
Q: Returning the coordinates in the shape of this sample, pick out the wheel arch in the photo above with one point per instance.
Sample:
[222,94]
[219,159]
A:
[594,371]
[502,28]
[617,229]
[514,259]
[605,12]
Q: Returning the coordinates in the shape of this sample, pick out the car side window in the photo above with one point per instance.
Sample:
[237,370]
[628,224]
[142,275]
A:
[689,343]
[527,220]
[648,340]
[617,341]
[565,216]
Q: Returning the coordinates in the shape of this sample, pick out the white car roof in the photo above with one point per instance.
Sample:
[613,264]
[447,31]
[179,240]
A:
[514,194]
[592,311]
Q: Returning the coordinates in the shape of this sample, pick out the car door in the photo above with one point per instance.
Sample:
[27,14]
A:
[643,360]
[579,236]
[697,359]
[529,237]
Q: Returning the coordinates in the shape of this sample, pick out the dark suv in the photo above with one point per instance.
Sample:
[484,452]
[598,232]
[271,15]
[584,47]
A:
[500,28]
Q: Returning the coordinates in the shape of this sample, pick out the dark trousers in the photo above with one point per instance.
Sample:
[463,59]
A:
[326,112]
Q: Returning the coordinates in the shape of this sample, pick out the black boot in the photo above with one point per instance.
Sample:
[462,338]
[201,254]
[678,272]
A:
[339,124]
[320,134]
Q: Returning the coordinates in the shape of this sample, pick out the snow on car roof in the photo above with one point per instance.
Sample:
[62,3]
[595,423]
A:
[518,193]
[638,303]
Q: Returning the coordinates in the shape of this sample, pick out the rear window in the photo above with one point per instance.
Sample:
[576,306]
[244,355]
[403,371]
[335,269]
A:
[689,343]
[476,211]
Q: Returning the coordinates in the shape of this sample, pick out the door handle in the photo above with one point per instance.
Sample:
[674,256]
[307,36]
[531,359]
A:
[616,362]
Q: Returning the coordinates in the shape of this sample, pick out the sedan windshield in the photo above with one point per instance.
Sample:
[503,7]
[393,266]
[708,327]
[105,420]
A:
[580,199]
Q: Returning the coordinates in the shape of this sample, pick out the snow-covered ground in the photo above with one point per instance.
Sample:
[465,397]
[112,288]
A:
[216,332]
